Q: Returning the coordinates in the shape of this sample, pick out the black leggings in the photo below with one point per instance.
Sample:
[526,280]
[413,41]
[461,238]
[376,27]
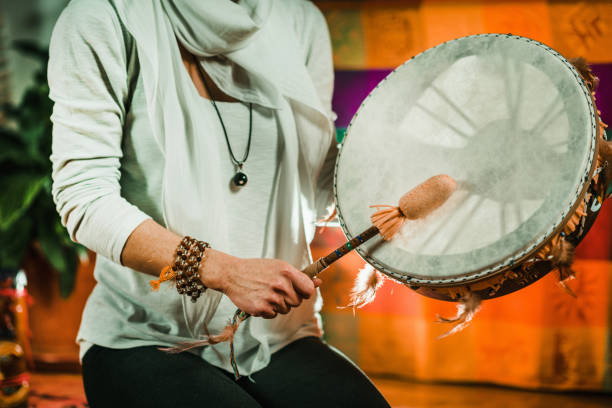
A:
[306,373]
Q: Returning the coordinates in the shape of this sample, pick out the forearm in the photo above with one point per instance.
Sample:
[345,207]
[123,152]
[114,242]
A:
[151,247]
[260,287]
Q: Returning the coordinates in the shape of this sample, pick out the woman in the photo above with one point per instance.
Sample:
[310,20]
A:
[163,111]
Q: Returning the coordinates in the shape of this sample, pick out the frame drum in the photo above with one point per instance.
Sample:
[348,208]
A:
[515,125]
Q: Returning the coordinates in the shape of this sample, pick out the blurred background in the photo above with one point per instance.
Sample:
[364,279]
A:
[538,339]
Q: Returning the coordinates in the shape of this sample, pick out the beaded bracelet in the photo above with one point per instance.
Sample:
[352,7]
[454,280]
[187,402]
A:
[188,256]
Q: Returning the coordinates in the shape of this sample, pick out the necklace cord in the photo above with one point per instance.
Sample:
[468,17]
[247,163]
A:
[212,100]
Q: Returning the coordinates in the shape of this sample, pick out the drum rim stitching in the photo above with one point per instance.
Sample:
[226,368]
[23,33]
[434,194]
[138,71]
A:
[509,262]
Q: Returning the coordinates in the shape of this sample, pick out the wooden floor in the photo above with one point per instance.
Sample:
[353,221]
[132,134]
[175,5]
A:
[403,394]
[66,390]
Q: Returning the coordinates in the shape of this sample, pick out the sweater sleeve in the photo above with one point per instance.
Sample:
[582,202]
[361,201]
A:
[319,62]
[88,84]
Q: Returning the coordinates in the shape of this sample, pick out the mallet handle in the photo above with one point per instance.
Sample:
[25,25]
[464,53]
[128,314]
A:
[320,264]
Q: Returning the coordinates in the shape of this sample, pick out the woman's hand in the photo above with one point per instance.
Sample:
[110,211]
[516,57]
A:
[260,287]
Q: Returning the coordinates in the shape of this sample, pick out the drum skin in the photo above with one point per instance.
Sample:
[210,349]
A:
[481,110]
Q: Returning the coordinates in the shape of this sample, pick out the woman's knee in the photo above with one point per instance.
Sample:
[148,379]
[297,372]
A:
[310,373]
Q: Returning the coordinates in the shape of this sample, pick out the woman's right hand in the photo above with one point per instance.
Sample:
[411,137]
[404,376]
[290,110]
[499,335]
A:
[259,287]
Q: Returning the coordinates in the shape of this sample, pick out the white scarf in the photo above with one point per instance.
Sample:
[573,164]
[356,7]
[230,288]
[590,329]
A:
[246,40]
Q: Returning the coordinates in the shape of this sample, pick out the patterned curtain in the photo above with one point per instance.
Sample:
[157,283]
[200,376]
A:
[539,337]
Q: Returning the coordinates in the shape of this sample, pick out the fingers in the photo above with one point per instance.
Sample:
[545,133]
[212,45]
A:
[266,314]
[290,288]
[291,297]
[274,287]
[275,304]
[283,286]
[280,306]
[303,285]
[265,310]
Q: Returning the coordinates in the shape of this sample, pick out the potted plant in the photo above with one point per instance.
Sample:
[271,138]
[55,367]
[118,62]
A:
[27,213]
[31,234]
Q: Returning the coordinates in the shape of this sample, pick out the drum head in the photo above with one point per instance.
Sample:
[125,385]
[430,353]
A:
[508,118]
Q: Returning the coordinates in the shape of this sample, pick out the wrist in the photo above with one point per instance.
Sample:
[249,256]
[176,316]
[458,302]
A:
[213,271]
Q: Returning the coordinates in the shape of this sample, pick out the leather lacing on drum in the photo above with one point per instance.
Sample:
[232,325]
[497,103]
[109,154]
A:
[559,251]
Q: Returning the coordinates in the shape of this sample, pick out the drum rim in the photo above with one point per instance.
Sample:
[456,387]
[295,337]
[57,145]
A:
[527,252]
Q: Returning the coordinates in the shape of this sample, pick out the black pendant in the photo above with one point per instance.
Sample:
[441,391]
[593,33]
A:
[240,179]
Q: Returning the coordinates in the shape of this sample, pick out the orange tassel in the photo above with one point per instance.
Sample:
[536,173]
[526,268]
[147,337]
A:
[166,274]
[388,220]
[417,203]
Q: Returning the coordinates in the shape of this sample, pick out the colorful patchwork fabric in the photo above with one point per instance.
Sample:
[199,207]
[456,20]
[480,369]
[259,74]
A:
[538,337]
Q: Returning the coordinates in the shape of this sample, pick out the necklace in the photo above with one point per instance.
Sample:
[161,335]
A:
[240,178]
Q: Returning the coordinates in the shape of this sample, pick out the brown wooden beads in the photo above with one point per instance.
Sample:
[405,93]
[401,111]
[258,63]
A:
[189,254]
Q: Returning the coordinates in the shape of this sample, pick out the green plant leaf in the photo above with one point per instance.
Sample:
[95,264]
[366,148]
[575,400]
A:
[18,192]
[14,242]
[12,150]
[62,258]
[27,211]
[67,277]
[31,48]
[33,134]
[61,252]
[11,111]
